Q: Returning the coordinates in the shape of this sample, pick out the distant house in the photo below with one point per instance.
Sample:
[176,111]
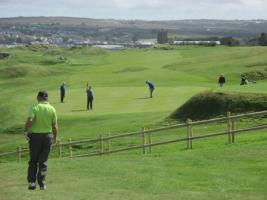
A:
[162,37]
[149,43]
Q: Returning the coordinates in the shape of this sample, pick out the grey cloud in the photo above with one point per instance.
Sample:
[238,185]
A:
[137,9]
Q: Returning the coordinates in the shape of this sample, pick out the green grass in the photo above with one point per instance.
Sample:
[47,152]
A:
[212,170]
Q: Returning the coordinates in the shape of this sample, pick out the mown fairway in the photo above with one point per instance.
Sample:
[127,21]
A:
[212,170]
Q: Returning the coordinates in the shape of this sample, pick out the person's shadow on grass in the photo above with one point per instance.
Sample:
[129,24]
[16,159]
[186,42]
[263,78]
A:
[79,110]
[141,98]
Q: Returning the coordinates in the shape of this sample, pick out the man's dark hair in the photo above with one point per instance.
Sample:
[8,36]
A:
[43,95]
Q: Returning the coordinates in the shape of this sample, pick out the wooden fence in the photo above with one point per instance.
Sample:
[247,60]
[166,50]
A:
[104,143]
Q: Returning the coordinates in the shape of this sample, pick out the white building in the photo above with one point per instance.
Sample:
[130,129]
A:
[185,42]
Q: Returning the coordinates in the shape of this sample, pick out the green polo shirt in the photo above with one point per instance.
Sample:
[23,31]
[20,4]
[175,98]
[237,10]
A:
[43,115]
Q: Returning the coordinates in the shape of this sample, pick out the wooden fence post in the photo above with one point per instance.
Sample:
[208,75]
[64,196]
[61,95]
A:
[232,129]
[189,134]
[150,141]
[108,141]
[144,140]
[229,127]
[101,146]
[70,148]
[19,153]
[59,149]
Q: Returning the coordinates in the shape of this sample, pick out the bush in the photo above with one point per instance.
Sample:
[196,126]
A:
[229,41]
[164,47]
[4,55]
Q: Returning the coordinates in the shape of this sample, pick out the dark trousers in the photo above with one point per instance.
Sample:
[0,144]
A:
[89,103]
[62,96]
[151,92]
[39,145]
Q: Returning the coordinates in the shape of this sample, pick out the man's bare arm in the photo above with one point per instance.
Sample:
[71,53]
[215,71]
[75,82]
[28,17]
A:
[27,126]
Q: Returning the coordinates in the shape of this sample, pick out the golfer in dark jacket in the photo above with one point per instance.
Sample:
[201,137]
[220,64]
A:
[151,87]
[90,97]
[62,92]
[40,124]
[221,80]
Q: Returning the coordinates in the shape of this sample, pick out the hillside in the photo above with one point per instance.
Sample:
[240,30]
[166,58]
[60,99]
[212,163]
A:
[64,29]
[182,25]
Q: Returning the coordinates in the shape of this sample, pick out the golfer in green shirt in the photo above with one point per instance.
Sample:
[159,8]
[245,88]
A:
[41,131]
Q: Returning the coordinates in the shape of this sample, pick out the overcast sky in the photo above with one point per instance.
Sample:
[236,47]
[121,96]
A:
[138,9]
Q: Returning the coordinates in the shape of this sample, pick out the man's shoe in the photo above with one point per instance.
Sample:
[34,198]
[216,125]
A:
[32,186]
[43,187]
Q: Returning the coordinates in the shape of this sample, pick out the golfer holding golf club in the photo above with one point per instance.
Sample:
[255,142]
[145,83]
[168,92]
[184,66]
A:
[40,124]
[151,88]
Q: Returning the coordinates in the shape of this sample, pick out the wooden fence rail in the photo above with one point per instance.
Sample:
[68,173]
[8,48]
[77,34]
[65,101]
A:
[171,141]
[104,143]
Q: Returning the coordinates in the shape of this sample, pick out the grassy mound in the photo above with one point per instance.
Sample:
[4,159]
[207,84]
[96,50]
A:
[256,75]
[212,104]
[23,70]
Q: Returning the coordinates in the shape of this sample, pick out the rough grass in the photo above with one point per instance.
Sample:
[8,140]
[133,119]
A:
[256,75]
[131,69]
[213,104]
[22,70]
[39,47]
[86,50]
[51,61]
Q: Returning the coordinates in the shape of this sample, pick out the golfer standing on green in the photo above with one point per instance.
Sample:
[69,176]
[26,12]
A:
[151,87]
[40,124]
